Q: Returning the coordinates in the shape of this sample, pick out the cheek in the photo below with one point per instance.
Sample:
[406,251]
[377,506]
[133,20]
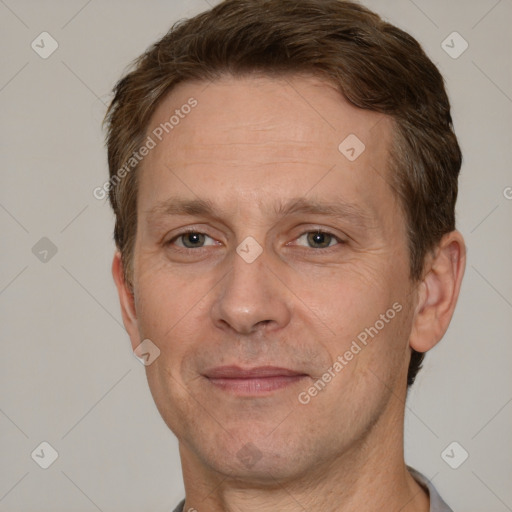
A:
[366,318]
[169,312]
[347,299]
[381,363]
[164,295]
[174,311]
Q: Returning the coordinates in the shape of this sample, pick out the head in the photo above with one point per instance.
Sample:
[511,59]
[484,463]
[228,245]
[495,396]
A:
[270,99]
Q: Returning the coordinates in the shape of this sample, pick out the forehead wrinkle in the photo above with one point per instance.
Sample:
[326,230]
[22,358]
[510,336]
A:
[205,207]
[341,209]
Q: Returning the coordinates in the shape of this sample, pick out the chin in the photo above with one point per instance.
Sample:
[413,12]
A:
[254,457]
[265,471]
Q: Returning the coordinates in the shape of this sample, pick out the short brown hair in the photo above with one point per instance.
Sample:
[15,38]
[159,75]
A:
[374,64]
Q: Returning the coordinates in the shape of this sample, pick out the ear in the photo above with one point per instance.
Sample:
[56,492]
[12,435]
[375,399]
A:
[438,292]
[127,301]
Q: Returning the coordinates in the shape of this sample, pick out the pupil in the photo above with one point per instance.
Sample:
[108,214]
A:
[193,238]
[319,238]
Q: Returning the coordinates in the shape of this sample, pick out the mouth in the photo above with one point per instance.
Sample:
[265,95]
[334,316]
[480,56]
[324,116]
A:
[262,380]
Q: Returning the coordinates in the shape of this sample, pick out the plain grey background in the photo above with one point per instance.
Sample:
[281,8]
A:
[67,373]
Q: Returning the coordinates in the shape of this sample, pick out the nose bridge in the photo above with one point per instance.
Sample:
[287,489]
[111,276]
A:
[251,295]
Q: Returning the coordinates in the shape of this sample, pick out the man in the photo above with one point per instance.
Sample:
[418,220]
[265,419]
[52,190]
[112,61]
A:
[284,177]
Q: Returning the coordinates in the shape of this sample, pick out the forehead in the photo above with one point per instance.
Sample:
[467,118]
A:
[259,138]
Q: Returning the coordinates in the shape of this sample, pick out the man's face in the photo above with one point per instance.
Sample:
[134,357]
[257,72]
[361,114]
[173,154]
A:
[251,148]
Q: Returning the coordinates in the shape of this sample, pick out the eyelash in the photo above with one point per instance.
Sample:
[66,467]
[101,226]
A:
[317,231]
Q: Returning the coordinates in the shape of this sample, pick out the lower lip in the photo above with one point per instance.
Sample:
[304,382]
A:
[256,386]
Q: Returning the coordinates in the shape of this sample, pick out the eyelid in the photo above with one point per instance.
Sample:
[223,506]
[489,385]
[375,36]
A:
[322,231]
[183,232]
[192,229]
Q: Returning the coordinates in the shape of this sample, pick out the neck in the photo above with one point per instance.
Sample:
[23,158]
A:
[370,476]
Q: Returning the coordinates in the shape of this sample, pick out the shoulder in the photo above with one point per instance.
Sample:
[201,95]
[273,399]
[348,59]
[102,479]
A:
[180,506]
[436,502]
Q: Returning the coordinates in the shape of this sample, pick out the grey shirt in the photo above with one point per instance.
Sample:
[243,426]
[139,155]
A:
[436,502]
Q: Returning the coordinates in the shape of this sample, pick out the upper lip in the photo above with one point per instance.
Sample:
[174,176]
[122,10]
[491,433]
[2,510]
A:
[236,372]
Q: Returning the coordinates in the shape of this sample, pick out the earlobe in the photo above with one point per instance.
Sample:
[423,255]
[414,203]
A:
[126,299]
[438,292]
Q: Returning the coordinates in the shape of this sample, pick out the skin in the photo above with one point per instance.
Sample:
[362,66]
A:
[249,144]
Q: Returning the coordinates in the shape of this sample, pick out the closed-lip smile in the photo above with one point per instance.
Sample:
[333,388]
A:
[255,381]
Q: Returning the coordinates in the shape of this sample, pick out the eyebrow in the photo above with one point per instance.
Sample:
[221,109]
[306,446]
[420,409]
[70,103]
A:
[175,206]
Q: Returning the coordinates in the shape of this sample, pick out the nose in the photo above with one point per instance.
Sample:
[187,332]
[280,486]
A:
[251,297]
